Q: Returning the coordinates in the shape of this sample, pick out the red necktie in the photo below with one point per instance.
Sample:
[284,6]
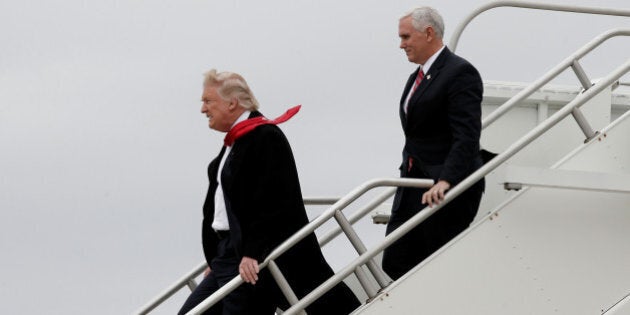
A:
[418,80]
[248,125]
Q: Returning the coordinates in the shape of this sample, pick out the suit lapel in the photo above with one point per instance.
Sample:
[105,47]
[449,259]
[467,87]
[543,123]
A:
[424,84]
[408,86]
[429,77]
[406,91]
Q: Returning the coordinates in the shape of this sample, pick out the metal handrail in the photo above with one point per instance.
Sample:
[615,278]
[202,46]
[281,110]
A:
[461,187]
[310,228]
[172,289]
[357,215]
[530,5]
[551,74]
[329,236]
[618,306]
[190,276]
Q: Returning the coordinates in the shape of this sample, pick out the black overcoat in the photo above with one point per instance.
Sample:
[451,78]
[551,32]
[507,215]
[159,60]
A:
[264,207]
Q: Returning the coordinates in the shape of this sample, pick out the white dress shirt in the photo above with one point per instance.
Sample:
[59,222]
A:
[220,222]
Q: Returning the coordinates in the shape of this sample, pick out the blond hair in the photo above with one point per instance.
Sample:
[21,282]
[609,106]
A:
[231,85]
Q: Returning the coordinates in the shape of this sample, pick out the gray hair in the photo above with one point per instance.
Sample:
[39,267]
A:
[426,16]
[231,85]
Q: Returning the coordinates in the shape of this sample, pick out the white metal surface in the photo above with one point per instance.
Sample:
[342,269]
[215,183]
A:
[570,179]
[620,308]
[551,252]
[546,150]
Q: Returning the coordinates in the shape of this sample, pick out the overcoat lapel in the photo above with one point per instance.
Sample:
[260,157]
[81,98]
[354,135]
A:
[233,161]
[213,170]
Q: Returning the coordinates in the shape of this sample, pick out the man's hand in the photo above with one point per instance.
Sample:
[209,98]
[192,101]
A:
[206,272]
[249,270]
[436,193]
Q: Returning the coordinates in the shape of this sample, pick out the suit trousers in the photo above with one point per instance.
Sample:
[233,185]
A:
[245,300]
[430,235]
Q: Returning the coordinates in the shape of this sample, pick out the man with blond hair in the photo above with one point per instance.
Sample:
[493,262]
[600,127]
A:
[253,204]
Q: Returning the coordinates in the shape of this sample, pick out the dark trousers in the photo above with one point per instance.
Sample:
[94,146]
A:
[245,300]
[430,235]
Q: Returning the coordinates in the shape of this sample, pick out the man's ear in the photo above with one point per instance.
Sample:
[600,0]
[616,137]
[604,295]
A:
[233,103]
[430,33]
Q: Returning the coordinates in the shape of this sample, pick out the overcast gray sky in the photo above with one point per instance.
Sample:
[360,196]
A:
[104,151]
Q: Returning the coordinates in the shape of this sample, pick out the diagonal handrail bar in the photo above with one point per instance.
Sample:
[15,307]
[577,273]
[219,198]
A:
[530,5]
[172,289]
[463,186]
[357,215]
[551,74]
[310,228]
[196,271]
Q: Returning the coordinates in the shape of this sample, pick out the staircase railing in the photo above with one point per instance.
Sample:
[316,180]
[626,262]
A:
[530,5]
[345,225]
[570,62]
[189,278]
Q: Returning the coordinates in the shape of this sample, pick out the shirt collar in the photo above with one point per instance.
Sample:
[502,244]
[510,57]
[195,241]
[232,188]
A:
[427,65]
[244,116]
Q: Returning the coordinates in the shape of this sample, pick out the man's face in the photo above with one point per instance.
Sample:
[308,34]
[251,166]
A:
[221,113]
[413,42]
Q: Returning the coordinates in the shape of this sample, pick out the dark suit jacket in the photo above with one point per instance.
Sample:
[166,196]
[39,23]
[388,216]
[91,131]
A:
[264,207]
[443,121]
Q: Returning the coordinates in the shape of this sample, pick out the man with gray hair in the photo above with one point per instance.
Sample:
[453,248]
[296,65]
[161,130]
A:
[440,113]
[253,204]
